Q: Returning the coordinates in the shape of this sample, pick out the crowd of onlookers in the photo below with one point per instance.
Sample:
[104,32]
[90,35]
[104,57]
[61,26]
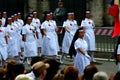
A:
[49,69]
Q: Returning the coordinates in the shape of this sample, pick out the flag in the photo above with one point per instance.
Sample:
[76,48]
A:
[115,12]
[116,30]
[111,2]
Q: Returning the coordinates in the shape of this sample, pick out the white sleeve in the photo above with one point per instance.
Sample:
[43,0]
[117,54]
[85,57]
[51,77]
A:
[24,30]
[77,44]
[83,23]
[64,24]
[118,50]
[43,25]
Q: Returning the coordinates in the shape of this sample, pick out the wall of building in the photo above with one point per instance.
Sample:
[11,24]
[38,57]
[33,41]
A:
[98,9]
[99,13]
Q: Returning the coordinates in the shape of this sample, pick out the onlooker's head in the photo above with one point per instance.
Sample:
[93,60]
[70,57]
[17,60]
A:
[70,73]
[23,77]
[101,75]
[9,70]
[89,72]
[18,68]
[59,76]
[39,69]
[53,69]
[117,76]
[36,59]
[2,73]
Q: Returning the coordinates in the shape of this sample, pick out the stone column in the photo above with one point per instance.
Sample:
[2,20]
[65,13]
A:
[44,6]
[108,20]
[96,7]
[32,5]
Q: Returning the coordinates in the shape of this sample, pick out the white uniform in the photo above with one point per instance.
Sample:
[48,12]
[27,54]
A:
[118,53]
[12,41]
[3,45]
[89,33]
[20,26]
[30,46]
[72,26]
[37,24]
[3,21]
[80,60]
[18,37]
[50,41]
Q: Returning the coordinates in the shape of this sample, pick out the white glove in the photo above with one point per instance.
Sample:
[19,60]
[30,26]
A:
[48,37]
[72,33]
[11,38]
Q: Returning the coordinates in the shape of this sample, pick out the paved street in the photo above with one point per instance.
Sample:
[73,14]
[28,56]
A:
[102,65]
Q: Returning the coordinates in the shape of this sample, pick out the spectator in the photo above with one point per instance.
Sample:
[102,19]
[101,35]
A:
[39,70]
[33,61]
[70,73]
[18,68]
[89,72]
[53,69]
[117,76]
[59,76]
[9,70]
[101,75]
[60,14]
[2,74]
[23,77]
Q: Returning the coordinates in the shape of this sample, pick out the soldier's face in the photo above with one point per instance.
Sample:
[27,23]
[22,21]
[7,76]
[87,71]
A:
[60,5]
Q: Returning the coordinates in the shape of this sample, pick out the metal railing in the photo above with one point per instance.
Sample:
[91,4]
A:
[104,41]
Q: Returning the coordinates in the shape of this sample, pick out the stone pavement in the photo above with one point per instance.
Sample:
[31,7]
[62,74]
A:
[102,64]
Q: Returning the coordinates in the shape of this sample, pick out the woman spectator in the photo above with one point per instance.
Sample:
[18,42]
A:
[89,72]
[70,73]
[9,70]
